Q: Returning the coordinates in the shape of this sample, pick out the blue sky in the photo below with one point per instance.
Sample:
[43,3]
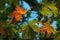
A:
[39,1]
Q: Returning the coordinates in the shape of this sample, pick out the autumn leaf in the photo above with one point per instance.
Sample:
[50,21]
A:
[17,14]
[20,10]
[18,17]
[12,15]
[42,30]
[47,28]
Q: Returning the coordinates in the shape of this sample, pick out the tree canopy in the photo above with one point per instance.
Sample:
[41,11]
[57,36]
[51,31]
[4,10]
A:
[14,19]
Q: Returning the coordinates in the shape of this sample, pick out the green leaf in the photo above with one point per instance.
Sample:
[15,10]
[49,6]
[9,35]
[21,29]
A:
[46,11]
[32,24]
[28,33]
[22,28]
[53,8]
[49,9]
[14,30]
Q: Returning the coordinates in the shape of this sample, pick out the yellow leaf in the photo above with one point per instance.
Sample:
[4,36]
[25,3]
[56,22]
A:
[51,6]
[46,11]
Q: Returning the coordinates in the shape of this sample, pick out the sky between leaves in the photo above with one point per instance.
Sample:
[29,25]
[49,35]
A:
[33,14]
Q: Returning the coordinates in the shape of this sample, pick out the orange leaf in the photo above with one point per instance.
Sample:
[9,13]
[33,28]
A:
[23,12]
[18,17]
[12,15]
[43,29]
[20,10]
[17,14]
[47,28]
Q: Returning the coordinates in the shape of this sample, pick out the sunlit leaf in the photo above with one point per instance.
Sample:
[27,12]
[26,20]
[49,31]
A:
[54,9]
[46,11]
[49,9]
[20,10]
